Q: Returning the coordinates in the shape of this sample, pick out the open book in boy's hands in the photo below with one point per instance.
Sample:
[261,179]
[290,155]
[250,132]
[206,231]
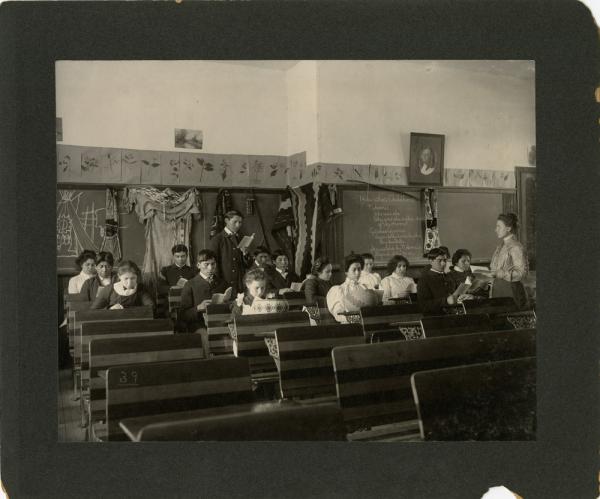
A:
[219,298]
[478,281]
[180,282]
[297,286]
[245,242]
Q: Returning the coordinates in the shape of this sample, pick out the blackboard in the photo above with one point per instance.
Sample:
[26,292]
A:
[81,217]
[387,223]
[467,220]
[383,223]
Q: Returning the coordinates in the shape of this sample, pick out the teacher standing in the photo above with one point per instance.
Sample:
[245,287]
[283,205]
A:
[509,262]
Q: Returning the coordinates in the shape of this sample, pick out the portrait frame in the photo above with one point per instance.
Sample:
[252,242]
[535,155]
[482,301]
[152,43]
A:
[426,163]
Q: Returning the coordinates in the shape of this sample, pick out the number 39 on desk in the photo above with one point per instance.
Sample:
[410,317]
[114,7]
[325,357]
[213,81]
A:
[128,377]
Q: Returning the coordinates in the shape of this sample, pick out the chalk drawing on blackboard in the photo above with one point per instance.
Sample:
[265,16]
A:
[80,224]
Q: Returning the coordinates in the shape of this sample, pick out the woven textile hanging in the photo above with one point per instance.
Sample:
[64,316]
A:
[432,235]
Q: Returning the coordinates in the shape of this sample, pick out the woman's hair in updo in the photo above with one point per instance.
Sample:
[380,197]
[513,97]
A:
[319,265]
[255,275]
[83,256]
[353,258]
[458,254]
[510,220]
[125,266]
[105,256]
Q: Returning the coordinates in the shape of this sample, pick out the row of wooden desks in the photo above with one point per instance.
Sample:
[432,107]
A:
[278,420]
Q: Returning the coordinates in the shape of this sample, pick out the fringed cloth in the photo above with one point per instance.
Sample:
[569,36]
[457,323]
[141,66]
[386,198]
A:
[167,217]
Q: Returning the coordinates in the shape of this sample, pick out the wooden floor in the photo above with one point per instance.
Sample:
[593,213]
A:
[69,420]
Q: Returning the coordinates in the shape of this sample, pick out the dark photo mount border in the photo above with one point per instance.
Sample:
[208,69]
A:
[562,39]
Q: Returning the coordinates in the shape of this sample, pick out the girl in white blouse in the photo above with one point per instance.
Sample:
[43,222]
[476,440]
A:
[370,279]
[350,296]
[86,263]
[397,284]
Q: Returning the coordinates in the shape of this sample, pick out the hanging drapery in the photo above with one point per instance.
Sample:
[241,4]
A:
[110,241]
[313,207]
[432,235]
[167,217]
[283,229]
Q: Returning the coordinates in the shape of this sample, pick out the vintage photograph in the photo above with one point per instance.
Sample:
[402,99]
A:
[349,256]
[426,159]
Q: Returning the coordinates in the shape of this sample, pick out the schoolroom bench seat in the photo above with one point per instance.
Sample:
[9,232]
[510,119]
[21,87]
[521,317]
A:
[216,319]
[247,340]
[114,352]
[303,357]
[490,306]
[373,380]
[97,330]
[165,387]
[71,307]
[260,421]
[491,401]
[296,300]
[98,315]
[380,322]
[448,325]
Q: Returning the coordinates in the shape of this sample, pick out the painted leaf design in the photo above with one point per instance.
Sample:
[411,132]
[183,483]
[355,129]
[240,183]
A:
[145,162]
[273,173]
[154,165]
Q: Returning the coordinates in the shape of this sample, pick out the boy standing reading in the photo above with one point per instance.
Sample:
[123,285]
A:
[179,272]
[231,261]
[197,292]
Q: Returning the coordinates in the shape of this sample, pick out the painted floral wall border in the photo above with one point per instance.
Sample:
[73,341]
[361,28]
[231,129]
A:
[101,165]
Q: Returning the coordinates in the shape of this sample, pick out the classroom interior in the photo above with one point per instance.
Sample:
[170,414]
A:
[334,140]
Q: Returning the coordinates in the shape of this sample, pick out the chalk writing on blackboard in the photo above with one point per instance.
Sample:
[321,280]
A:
[390,223]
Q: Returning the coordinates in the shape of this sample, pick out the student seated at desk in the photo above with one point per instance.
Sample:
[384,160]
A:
[179,272]
[124,293]
[368,278]
[104,276]
[281,277]
[397,284]
[461,269]
[253,300]
[86,264]
[320,283]
[350,296]
[436,288]
[262,259]
[197,292]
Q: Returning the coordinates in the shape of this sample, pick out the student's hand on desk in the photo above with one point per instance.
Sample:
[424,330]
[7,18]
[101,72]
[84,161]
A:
[285,290]
[116,306]
[202,306]
[451,300]
[464,297]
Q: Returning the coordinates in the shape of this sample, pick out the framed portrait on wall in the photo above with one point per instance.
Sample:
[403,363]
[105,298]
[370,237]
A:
[426,159]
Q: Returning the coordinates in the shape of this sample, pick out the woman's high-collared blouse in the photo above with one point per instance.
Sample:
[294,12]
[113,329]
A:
[509,261]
